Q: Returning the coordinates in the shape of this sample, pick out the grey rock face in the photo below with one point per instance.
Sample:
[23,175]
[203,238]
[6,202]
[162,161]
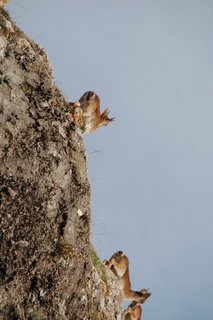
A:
[46,265]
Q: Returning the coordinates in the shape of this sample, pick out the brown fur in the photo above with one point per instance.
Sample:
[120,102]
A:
[134,310]
[119,264]
[3,2]
[89,118]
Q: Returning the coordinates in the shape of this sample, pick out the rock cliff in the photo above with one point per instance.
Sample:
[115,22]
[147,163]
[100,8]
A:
[48,268]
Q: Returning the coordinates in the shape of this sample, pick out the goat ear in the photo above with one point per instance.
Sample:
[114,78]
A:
[111,119]
[105,112]
[105,115]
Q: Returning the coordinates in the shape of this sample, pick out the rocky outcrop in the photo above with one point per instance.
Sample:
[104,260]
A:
[48,269]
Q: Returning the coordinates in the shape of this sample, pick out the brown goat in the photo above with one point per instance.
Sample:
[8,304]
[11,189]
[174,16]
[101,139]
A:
[86,113]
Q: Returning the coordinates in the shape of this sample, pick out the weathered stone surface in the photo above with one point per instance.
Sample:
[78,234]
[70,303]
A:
[47,266]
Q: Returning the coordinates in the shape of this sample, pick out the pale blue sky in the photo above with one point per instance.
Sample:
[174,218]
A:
[151,62]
